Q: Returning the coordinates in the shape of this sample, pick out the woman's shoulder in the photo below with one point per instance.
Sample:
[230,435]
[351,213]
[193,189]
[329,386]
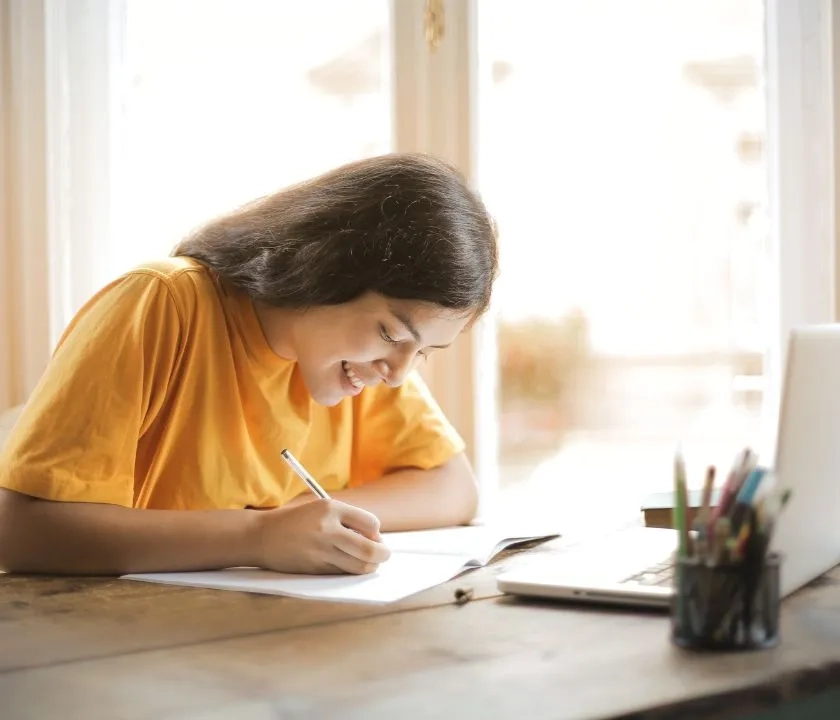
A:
[171,290]
[174,271]
[186,280]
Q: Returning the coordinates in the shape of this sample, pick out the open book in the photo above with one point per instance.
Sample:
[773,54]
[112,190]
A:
[419,560]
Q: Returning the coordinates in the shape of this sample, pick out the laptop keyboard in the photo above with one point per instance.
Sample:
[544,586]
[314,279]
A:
[661,573]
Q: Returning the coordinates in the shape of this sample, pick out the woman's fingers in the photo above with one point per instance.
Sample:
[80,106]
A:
[360,547]
[361,521]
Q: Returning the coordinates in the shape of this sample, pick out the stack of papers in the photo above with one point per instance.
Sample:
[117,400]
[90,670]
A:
[419,560]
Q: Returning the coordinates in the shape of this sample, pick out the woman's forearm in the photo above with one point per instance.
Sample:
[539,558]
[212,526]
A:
[418,499]
[40,536]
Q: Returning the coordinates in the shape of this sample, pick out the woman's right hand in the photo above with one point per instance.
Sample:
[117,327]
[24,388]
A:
[319,537]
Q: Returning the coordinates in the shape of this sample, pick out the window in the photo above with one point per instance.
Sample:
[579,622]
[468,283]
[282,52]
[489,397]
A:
[225,101]
[622,148]
[672,118]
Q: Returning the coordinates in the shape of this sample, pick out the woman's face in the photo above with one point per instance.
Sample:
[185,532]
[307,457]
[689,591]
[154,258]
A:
[341,349]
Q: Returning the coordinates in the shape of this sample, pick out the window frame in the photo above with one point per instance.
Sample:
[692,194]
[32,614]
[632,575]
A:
[803,110]
[435,111]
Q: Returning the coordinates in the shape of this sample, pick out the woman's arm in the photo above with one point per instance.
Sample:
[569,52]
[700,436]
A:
[413,499]
[405,428]
[42,536]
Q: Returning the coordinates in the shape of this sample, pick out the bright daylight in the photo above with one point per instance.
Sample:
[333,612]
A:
[408,359]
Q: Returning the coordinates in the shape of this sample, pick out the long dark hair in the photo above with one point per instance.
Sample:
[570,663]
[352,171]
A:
[405,226]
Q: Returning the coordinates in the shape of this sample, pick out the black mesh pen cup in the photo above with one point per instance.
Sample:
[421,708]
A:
[726,606]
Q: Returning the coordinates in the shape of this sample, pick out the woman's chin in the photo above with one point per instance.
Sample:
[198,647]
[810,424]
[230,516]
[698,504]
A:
[328,399]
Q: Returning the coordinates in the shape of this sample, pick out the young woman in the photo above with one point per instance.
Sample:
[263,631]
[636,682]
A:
[152,442]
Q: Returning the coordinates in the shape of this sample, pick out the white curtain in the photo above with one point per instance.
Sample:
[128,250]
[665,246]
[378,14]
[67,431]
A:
[24,323]
[56,65]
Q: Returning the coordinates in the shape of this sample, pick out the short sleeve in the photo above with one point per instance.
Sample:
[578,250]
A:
[399,428]
[77,436]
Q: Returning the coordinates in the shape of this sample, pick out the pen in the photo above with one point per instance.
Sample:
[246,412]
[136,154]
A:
[744,498]
[720,540]
[740,544]
[743,464]
[750,486]
[301,472]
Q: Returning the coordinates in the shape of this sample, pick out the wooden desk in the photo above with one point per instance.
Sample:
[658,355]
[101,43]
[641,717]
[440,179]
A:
[90,648]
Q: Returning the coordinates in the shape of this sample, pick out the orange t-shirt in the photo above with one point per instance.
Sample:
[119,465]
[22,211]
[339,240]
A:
[163,393]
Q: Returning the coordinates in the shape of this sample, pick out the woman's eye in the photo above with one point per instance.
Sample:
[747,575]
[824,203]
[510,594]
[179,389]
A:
[385,336]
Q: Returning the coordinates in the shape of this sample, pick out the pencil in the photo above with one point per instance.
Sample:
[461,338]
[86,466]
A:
[680,500]
[680,503]
[702,520]
[301,472]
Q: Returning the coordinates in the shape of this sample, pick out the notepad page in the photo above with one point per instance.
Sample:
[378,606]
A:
[402,575]
[478,543]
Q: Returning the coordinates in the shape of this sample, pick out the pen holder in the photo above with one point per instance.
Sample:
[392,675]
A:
[727,606]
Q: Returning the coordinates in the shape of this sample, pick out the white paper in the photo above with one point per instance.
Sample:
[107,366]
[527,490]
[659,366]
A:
[419,560]
[403,574]
[478,543]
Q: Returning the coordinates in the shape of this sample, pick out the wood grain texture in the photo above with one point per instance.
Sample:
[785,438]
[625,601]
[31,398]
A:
[49,620]
[89,648]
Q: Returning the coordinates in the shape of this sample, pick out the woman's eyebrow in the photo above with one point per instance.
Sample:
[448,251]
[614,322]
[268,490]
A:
[406,321]
[408,325]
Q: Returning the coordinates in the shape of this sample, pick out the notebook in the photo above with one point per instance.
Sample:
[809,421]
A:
[419,560]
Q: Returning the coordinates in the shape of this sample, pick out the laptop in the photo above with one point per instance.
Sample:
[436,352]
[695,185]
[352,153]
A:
[635,566]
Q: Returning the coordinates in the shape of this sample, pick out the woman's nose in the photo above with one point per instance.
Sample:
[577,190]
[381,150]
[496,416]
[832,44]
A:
[394,370]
